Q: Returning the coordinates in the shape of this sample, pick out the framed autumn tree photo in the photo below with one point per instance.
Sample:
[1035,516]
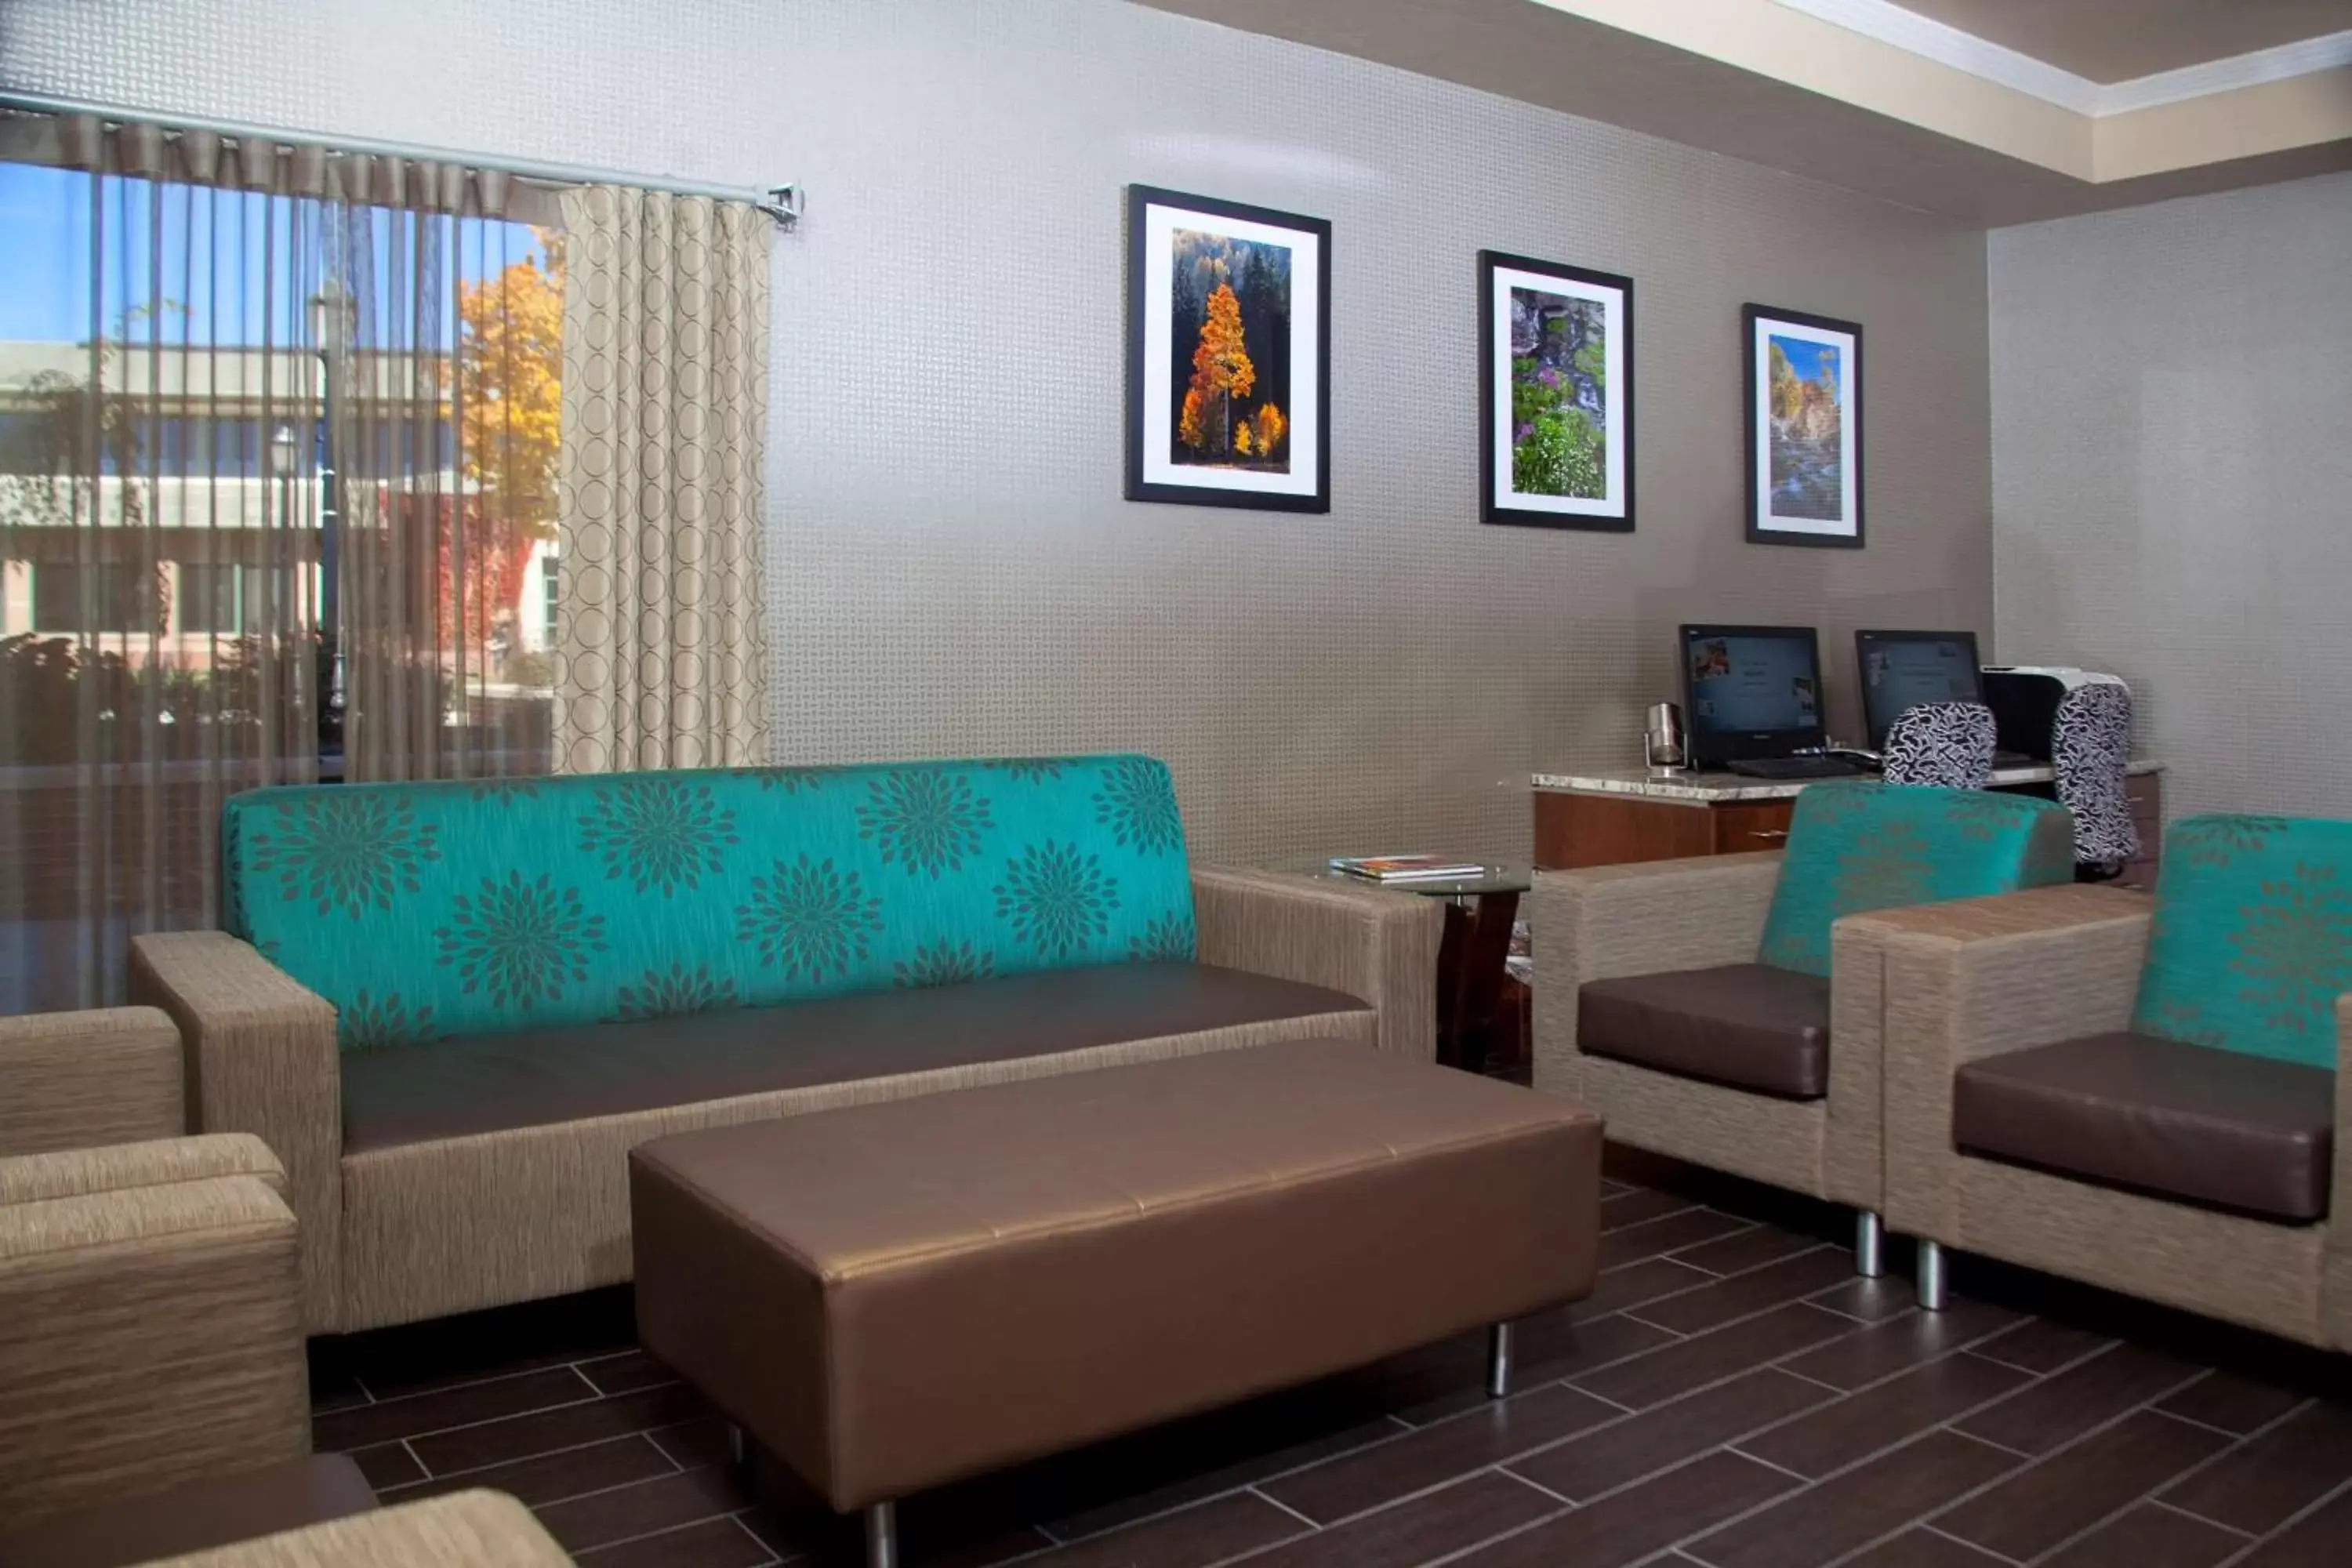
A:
[1228,354]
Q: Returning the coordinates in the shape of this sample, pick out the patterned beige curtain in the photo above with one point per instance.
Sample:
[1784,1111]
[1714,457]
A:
[664,657]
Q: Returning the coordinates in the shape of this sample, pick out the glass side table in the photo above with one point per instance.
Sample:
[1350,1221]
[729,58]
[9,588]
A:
[1479,913]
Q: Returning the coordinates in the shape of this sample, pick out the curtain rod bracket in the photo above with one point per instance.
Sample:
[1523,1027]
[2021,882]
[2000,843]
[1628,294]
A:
[785,204]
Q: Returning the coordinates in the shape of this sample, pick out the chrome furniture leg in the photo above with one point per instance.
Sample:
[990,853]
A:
[1869,1244]
[1935,1289]
[882,1536]
[1498,1361]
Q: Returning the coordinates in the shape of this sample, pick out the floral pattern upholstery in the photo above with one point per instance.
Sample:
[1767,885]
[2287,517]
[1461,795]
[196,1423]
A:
[1858,846]
[2252,937]
[430,910]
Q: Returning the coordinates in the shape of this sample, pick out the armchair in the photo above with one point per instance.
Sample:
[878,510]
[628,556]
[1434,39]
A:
[1727,1011]
[150,1331]
[2143,1097]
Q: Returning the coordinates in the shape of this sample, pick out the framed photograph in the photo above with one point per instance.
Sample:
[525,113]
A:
[1228,354]
[1804,428]
[1555,394]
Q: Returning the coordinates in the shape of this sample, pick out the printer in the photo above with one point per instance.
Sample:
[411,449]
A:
[2024,700]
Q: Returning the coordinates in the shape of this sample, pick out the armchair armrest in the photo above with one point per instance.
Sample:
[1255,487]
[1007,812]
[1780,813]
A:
[74,1081]
[1609,923]
[1373,944]
[1976,978]
[261,1059]
[149,1336]
[468,1529]
[78,1173]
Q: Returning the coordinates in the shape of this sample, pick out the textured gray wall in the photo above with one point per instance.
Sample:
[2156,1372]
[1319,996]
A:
[954,569]
[2172,479]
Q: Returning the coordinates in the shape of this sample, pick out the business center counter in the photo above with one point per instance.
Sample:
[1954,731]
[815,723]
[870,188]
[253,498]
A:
[1729,789]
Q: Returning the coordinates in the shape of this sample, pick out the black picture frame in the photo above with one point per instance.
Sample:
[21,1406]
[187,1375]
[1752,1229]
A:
[1498,502]
[1148,433]
[1763,527]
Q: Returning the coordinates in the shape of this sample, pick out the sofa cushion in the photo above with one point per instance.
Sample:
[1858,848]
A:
[454,1087]
[2252,938]
[1858,846]
[1745,1025]
[2204,1126]
[196,1516]
[426,910]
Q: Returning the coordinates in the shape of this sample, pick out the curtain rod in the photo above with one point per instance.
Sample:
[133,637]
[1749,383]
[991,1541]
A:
[783,203]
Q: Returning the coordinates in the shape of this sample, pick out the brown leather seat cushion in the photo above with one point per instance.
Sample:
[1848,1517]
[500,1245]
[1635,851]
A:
[2204,1126]
[1745,1025]
[193,1517]
[891,1296]
[489,1083]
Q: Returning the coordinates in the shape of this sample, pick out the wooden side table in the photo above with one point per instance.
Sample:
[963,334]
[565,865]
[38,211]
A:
[1479,913]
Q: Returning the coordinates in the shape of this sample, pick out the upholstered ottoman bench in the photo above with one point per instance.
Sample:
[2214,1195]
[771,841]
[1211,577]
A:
[890,1297]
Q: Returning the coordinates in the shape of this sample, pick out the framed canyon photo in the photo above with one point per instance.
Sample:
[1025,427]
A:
[1804,428]
[1555,394]
[1228,354]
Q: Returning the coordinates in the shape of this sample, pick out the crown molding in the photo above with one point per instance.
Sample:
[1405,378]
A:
[1887,23]
[2307,57]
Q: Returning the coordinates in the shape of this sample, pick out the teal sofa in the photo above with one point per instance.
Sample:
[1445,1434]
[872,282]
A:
[452,1008]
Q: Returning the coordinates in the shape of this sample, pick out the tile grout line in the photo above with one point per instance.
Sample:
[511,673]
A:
[1947,1535]
[553,1453]
[1252,1491]
[2237,1442]
[775,1556]
[665,1530]
[395,1400]
[1927,1519]
[2154,1501]
[2289,1522]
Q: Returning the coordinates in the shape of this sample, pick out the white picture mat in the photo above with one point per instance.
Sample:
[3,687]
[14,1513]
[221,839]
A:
[1157,409]
[1611,502]
[1848,525]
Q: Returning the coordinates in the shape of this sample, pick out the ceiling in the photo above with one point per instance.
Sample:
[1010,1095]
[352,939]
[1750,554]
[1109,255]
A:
[2116,40]
[1854,102]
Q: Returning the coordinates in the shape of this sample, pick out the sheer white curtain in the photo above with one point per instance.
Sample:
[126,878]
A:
[276,479]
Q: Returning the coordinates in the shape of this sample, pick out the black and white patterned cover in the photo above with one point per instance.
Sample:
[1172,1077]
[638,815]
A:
[1949,744]
[2090,746]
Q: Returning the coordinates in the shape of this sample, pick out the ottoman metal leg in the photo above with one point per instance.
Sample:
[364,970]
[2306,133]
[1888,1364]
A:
[1869,1244]
[882,1536]
[1498,1361]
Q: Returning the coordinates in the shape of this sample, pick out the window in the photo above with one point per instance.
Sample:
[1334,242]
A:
[552,567]
[219,598]
[57,598]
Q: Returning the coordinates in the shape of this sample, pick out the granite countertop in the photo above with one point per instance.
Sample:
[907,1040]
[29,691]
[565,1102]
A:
[1729,789]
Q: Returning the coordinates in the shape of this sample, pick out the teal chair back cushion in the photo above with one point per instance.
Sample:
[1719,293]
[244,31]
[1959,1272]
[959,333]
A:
[2252,938]
[427,910]
[1865,846]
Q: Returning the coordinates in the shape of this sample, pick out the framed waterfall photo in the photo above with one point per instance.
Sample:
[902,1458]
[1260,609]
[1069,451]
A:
[1804,428]
[1228,354]
[1555,394]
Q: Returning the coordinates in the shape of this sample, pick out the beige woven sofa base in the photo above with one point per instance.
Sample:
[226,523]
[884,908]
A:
[449,1226]
[468,1529]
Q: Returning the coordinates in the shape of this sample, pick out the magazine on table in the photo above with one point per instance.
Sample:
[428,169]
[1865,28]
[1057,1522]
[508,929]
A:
[1405,868]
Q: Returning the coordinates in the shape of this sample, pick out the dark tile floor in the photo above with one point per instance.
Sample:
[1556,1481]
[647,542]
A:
[1730,1396]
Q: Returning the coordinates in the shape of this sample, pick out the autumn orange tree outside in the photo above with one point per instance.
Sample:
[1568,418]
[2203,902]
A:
[509,384]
